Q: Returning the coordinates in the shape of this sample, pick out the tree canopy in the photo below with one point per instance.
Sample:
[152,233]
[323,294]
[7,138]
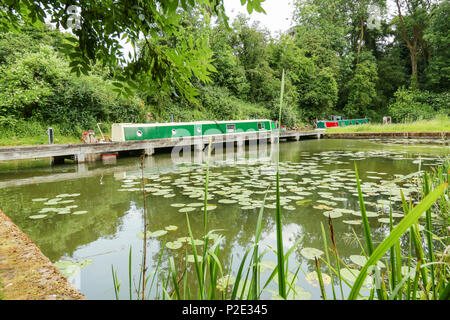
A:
[358,58]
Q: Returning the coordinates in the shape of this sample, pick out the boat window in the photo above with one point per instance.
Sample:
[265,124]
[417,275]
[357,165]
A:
[139,133]
[174,131]
[199,130]
[260,126]
[231,127]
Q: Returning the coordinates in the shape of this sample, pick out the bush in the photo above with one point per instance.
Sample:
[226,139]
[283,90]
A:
[39,87]
[412,105]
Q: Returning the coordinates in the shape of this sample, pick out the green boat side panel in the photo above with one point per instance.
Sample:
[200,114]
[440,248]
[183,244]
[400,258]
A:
[136,132]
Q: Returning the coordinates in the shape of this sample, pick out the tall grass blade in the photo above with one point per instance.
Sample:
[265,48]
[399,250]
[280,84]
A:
[398,231]
[279,224]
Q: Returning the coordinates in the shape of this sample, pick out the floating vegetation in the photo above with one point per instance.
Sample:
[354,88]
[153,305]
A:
[79,212]
[311,253]
[174,245]
[70,269]
[313,279]
[38,216]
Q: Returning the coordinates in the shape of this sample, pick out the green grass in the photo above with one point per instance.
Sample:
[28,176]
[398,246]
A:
[29,133]
[36,140]
[438,124]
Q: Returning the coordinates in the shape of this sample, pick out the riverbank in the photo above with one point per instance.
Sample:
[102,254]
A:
[444,135]
[25,273]
[440,124]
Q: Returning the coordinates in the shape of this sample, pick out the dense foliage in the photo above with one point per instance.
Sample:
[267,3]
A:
[36,85]
[192,67]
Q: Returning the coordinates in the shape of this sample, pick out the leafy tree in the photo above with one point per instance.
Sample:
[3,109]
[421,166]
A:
[362,88]
[101,26]
[412,28]
[438,38]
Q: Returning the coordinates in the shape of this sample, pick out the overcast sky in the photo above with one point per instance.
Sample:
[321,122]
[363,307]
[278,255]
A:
[278,15]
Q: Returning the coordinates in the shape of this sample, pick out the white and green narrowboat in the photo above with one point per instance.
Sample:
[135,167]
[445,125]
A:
[152,131]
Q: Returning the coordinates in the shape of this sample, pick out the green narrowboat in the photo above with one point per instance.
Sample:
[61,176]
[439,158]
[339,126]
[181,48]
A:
[324,124]
[152,131]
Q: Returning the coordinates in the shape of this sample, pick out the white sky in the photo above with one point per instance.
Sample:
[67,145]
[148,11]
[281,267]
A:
[278,15]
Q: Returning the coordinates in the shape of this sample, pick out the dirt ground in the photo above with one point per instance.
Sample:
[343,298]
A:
[25,273]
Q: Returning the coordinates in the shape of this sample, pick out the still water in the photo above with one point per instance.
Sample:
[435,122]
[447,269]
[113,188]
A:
[85,218]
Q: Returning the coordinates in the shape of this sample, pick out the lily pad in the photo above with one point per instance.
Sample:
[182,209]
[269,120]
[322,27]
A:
[157,233]
[267,265]
[361,261]
[351,274]
[227,201]
[352,222]
[224,282]
[174,245]
[171,228]
[303,202]
[191,259]
[332,214]
[311,253]
[80,212]
[313,279]
[39,199]
[186,209]
[297,294]
[85,263]
[178,205]
[38,216]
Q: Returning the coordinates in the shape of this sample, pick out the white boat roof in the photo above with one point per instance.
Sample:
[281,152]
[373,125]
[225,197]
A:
[186,123]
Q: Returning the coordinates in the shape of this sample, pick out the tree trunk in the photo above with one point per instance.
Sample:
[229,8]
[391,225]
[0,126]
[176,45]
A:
[414,73]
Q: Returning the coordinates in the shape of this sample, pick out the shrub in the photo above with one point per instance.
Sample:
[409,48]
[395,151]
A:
[412,105]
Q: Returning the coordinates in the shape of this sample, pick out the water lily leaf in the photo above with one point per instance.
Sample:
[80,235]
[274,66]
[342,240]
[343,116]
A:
[351,274]
[311,253]
[267,265]
[174,245]
[169,195]
[303,202]
[352,222]
[224,282]
[66,201]
[38,216]
[313,279]
[157,233]
[196,204]
[297,294]
[85,263]
[171,228]
[184,239]
[323,207]
[384,220]
[39,199]
[332,214]
[361,261]
[191,259]
[227,201]
[291,278]
[186,209]
[80,212]
[178,205]
[140,235]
